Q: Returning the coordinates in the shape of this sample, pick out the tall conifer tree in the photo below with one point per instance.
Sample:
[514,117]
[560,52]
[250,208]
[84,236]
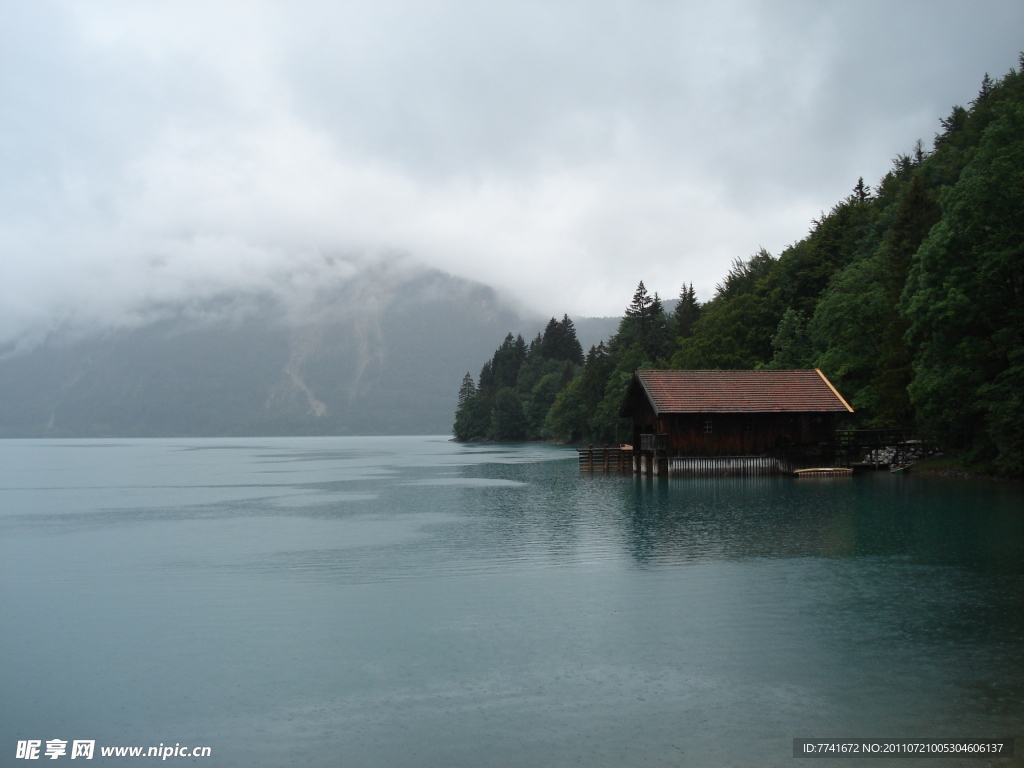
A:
[687,312]
[467,390]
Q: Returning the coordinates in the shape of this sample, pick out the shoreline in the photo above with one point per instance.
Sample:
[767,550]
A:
[933,467]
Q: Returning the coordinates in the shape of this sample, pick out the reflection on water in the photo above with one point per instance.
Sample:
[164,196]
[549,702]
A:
[411,602]
[974,524]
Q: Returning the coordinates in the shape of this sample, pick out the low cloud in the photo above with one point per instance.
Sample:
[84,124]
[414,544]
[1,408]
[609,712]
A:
[561,152]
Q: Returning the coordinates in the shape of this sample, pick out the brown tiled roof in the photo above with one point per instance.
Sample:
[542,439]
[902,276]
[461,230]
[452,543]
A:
[741,392]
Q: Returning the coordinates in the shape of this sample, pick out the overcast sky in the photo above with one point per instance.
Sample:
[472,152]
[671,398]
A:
[557,151]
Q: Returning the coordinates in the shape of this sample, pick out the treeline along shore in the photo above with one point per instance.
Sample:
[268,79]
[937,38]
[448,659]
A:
[908,295]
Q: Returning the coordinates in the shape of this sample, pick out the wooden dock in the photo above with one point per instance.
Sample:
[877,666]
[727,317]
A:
[606,458]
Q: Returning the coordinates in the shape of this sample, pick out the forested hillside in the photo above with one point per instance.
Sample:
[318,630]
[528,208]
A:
[908,295]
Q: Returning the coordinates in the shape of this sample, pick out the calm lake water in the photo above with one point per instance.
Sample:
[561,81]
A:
[413,602]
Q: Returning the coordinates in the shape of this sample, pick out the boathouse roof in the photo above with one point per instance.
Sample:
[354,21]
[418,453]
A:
[804,391]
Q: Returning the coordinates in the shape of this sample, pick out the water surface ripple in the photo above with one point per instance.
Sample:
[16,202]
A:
[414,602]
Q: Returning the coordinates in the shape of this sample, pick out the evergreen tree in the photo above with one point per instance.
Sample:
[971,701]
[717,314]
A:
[503,368]
[639,309]
[467,390]
[486,378]
[473,415]
[687,312]
[559,341]
[551,341]
[861,192]
[645,324]
[570,348]
[987,86]
[657,344]
[508,421]
[919,153]
[536,347]
[473,419]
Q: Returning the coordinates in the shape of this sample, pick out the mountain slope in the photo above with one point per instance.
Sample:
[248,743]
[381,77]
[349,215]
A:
[380,354]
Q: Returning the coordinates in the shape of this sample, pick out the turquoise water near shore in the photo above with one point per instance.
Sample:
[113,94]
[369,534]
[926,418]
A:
[409,601]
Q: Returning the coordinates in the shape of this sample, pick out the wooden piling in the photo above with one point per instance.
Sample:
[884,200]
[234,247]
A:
[704,466]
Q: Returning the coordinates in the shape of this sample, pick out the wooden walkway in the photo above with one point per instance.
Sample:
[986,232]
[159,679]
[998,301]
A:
[605,459]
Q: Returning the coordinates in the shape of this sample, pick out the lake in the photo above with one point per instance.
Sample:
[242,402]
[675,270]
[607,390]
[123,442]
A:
[408,601]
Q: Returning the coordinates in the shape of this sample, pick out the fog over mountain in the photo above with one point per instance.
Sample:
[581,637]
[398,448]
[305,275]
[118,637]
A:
[379,352]
[167,152]
[170,168]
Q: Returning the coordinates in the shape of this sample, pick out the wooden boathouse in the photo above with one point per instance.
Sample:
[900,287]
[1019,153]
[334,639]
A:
[732,422]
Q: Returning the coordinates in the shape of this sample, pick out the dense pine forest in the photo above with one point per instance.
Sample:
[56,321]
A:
[908,295]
